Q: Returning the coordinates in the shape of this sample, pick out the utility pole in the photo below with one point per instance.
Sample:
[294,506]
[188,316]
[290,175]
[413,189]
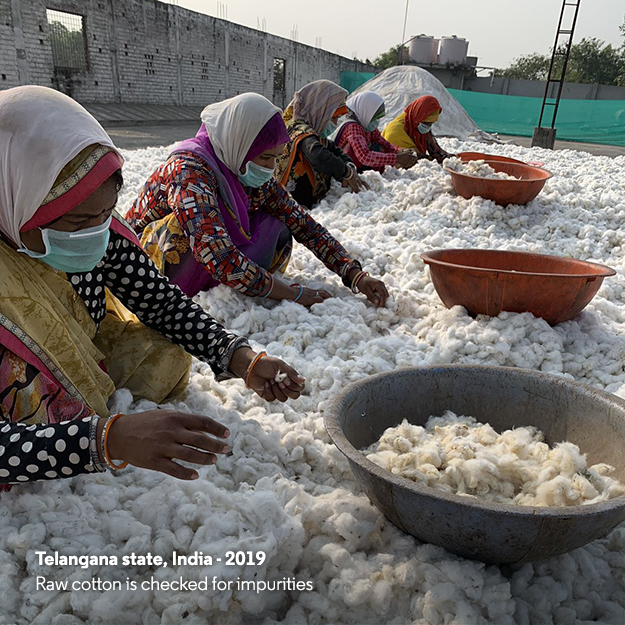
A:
[400,51]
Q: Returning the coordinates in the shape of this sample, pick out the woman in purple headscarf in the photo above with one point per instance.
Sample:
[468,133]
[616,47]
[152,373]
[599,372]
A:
[213,213]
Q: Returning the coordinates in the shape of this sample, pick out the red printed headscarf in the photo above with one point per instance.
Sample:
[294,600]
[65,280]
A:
[415,113]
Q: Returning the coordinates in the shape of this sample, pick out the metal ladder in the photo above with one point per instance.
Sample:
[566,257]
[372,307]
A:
[559,52]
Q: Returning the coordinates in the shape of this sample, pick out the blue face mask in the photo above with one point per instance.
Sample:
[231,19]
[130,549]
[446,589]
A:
[424,128]
[373,125]
[329,130]
[73,252]
[255,175]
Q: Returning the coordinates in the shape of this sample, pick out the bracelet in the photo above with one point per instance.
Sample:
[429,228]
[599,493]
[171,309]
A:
[301,290]
[93,444]
[251,366]
[268,293]
[352,171]
[362,275]
[104,443]
[357,277]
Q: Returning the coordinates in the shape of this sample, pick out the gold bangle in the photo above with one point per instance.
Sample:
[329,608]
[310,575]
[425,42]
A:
[105,436]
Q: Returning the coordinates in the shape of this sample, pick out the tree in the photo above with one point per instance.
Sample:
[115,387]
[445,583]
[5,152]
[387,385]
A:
[388,59]
[68,47]
[591,61]
[528,67]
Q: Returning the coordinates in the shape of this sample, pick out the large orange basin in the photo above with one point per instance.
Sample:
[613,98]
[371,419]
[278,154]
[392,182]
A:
[503,192]
[490,281]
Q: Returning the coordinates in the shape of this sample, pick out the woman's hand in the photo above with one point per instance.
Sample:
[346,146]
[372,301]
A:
[272,379]
[266,376]
[157,438]
[374,290]
[356,183]
[406,160]
[312,296]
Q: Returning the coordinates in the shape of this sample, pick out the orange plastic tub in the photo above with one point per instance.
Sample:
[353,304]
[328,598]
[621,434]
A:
[488,282]
[530,184]
[465,157]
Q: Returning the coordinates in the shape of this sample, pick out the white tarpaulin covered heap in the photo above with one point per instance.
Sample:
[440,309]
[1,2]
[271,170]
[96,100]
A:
[399,86]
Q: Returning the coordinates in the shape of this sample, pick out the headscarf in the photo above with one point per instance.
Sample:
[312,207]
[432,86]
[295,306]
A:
[235,124]
[364,106]
[316,103]
[234,132]
[417,112]
[53,154]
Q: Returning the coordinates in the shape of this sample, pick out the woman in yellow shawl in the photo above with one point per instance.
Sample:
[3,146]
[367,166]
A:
[71,276]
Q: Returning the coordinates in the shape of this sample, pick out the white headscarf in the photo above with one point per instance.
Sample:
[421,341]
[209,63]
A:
[41,130]
[365,105]
[234,124]
[317,102]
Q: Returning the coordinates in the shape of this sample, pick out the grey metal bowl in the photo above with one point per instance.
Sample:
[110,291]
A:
[506,398]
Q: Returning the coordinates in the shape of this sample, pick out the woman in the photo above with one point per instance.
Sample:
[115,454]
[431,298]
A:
[212,213]
[413,129]
[311,160]
[358,135]
[71,275]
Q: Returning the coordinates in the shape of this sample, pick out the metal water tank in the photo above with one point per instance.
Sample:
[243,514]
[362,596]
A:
[423,49]
[453,50]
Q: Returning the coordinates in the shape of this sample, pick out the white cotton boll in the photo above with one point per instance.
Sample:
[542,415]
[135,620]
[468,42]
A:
[477,168]
[310,512]
[460,455]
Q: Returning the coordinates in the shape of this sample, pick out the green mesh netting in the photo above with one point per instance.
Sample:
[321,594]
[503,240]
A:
[590,121]
[352,80]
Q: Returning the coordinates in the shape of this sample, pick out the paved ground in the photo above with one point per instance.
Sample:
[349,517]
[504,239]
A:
[131,136]
[140,136]
[593,148]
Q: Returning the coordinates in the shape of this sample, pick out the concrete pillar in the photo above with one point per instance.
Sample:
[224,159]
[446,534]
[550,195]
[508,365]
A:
[227,61]
[544,138]
[177,23]
[20,45]
[265,70]
[117,93]
[594,90]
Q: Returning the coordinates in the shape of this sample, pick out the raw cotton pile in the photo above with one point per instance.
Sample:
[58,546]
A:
[462,456]
[401,85]
[478,168]
[286,489]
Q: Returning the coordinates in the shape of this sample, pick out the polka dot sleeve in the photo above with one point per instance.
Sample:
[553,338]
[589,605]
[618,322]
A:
[47,452]
[132,277]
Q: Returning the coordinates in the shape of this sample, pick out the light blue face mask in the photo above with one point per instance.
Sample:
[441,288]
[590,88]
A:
[73,252]
[424,128]
[330,129]
[373,125]
[255,175]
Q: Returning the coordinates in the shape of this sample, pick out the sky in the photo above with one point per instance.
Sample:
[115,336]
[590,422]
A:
[498,31]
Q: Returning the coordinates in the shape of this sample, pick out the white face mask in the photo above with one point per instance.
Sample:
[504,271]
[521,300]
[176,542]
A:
[424,128]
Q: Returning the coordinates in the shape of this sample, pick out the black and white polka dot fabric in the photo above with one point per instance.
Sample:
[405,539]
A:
[43,452]
[132,277]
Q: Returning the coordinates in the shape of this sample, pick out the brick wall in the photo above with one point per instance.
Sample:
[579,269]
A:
[144,51]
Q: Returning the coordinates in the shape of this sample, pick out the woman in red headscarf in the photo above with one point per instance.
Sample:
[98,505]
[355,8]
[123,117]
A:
[412,129]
